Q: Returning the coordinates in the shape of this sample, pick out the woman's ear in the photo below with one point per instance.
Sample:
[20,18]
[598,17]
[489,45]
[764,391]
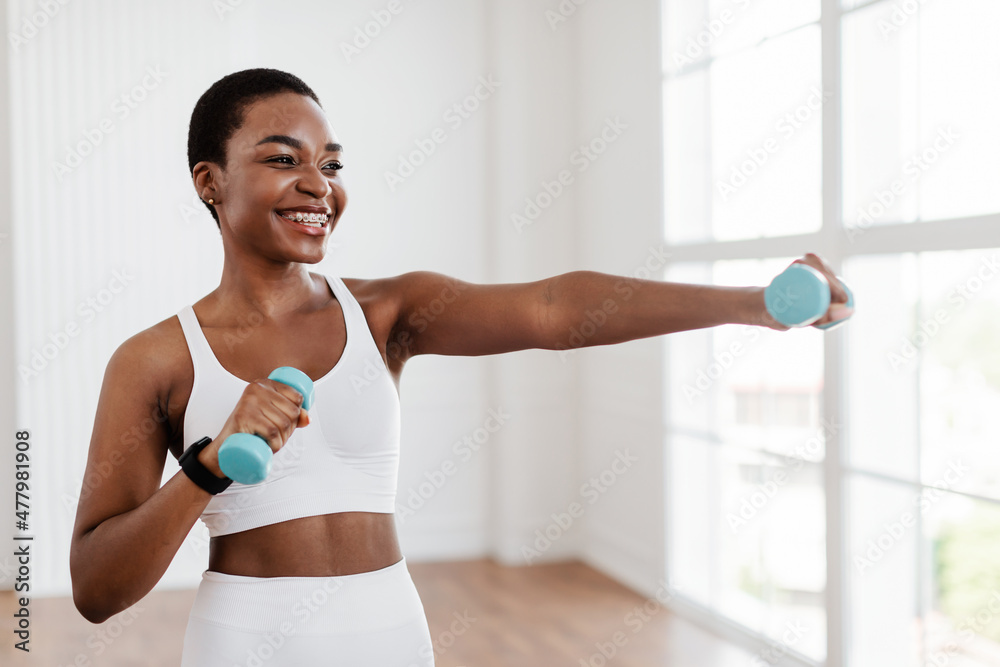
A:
[203,176]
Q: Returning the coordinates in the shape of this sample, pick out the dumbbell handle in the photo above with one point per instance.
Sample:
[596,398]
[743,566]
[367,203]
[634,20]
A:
[245,457]
[800,295]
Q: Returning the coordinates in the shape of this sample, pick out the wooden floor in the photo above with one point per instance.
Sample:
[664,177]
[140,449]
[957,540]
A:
[538,616]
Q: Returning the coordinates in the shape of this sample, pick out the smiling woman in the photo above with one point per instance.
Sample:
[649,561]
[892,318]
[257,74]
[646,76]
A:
[309,557]
[306,566]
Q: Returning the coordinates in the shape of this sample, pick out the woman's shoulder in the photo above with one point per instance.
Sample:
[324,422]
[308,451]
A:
[160,355]
[160,346]
[377,296]
[384,290]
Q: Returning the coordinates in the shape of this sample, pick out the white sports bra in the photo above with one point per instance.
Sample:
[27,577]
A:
[345,460]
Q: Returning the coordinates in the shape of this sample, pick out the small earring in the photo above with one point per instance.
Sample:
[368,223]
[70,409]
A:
[211,201]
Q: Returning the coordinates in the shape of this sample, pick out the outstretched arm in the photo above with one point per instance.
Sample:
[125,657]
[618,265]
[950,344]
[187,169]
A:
[442,315]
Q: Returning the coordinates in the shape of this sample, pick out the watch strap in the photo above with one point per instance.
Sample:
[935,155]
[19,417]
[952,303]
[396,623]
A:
[198,473]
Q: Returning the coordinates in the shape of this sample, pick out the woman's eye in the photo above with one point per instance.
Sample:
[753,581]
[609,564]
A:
[287,159]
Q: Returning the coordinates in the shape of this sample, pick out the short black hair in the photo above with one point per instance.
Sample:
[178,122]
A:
[219,112]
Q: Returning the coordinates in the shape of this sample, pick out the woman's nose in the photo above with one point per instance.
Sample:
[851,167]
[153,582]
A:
[314,182]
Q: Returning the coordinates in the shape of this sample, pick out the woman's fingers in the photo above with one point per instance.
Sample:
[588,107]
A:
[838,295]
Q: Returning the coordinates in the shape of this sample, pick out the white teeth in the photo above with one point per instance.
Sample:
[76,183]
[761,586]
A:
[309,219]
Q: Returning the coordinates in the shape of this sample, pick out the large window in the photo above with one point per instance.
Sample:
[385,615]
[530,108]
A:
[837,494]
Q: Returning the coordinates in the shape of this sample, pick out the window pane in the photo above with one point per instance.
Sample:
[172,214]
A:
[766,108]
[879,95]
[686,158]
[770,384]
[753,21]
[693,503]
[963,549]
[881,393]
[883,619]
[690,406]
[960,72]
[694,30]
[747,526]
[747,385]
[917,113]
[956,336]
[748,539]
[686,40]
[772,547]
[764,177]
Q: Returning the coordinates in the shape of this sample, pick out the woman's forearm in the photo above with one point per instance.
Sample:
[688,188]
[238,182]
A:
[118,562]
[592,308]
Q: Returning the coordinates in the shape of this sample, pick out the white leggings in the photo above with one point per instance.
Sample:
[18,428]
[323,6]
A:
[356,620]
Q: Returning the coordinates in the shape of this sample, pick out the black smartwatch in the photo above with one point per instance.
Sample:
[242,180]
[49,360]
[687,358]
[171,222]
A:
[198,473]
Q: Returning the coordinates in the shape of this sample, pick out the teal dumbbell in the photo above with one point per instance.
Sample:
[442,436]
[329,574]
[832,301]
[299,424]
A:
[246,458]
[800,295]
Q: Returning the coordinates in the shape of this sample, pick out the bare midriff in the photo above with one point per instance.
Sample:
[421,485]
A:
[313,546]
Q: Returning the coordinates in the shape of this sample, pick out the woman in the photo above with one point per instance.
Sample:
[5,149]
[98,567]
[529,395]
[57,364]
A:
[305,567]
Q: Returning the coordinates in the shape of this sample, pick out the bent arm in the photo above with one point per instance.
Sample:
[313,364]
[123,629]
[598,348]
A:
[116,563]
[127,527]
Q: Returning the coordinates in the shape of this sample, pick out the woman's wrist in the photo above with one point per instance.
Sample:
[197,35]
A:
[209,457]
[755,311]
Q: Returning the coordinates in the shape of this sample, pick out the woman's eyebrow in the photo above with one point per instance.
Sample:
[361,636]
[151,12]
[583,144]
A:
[295,143]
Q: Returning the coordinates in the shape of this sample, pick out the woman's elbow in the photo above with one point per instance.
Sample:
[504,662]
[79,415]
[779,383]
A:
[86,605]
[85,598]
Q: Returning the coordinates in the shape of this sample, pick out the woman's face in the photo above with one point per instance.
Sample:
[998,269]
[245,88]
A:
[285,156]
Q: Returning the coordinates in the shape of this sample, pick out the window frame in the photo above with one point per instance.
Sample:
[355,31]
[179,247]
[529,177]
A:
[831,242]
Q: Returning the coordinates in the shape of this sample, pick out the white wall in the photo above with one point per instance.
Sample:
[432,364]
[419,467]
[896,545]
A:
[621,219]
[129,206]
[8,424]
